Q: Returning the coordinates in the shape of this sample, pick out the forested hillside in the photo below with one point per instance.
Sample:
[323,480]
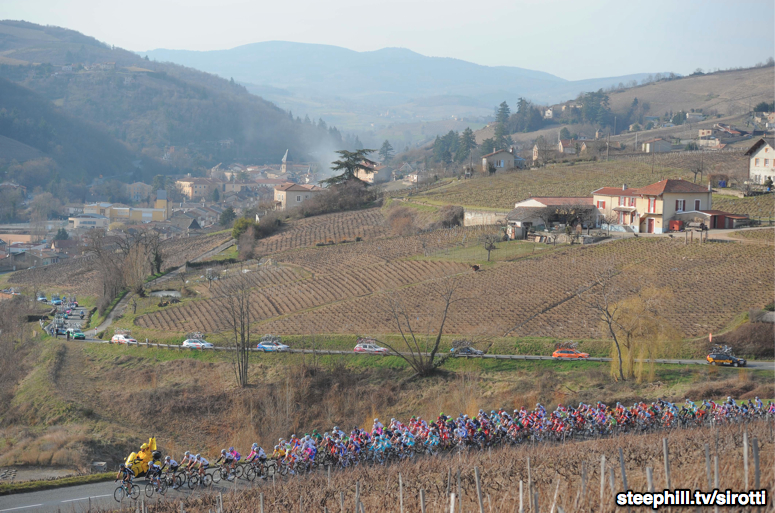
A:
[151,106]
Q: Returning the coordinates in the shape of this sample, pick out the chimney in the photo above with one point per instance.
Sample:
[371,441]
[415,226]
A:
[624,187]
[709,189]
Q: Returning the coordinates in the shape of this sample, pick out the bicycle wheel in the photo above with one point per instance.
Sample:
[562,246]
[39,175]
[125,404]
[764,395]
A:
[135,492]
[149,489]
[193,480]
[177,480]
[207,480]
[163,487]
[119,494]
[239,470]
[217,474]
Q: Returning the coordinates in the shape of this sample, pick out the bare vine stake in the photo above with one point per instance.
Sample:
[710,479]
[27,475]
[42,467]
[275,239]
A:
[329,475]
[707,466]
[341,500]
[261,497]
[756,473]
[535,498]
[422,500]
[666,453]
[624,474]
[521,507]
[452,503]
[556,491]
[478,490]
[529,485]
[612,481]
[602,480]
[715,477]
[400,492]
[650,478]
[301,504]
[357,495]
[745,458]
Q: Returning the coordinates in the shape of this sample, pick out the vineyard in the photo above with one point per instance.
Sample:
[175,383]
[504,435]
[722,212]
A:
[539,294]
[502,191]
[287,298]
[344,293]
[180,250]
[366,224]
[570,476]
[757,207]
[762,234]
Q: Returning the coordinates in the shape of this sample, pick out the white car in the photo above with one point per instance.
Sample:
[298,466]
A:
[122,339]
[271,346]
[370,348]
[197,344]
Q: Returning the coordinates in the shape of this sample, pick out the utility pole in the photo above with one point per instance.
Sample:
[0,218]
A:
[608,146]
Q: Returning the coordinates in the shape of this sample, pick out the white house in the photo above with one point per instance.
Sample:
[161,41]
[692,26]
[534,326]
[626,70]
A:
[548,114]
[656,146]
[761,163]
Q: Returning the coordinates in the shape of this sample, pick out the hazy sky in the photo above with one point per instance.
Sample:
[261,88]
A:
[572,39]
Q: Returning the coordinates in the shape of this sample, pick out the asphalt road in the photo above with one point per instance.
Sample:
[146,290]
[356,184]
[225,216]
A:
[758,365]
[79,498]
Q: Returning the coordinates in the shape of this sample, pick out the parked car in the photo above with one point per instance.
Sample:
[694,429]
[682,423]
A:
[271,346]
[197,343]
[369,347]
[122,339]
[466,351]
[569,353]
[725,359]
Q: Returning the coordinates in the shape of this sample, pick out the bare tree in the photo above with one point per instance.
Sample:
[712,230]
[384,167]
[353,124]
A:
[610,218]
[490,240]
[235,303]
[421,326]
[602,298]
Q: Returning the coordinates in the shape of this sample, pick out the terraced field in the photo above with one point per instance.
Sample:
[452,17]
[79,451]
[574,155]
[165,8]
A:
[761,234]
[758,207]
[502,191]
[294,296]
[367,224]
[541,292]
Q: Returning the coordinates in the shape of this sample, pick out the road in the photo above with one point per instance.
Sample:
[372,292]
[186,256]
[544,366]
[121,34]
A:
[79,498]
[758,365]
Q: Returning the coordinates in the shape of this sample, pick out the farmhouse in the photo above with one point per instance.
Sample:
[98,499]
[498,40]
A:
[499,159]
[566,146]
[537,212]
[761,161]
[196,187]
[657,145]
[650,208]
[377,174]
[291,195]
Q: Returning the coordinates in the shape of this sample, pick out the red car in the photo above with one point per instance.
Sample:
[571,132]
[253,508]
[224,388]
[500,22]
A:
[569,353]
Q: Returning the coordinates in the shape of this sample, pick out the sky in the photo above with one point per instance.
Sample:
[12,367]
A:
[571,39]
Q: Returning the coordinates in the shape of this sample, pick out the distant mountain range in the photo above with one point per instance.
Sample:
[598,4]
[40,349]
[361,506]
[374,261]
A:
[383,86]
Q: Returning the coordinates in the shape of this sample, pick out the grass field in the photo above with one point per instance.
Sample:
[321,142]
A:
[503,190]
[762,234]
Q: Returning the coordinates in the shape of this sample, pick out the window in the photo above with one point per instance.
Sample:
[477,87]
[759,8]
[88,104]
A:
[601,204]
[298,199]
[766,162]
[755,162]
[679,205]
[697,204]
[632,202]
[622,201]
[652,205]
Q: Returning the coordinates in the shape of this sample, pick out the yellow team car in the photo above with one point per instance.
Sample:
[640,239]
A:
[725,359]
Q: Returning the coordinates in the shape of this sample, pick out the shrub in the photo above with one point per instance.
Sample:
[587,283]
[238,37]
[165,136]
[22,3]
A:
[402,221]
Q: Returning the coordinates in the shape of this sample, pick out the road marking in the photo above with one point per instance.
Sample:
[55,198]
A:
[22,507]
[84,498]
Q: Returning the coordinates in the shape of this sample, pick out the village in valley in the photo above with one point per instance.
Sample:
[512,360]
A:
[546,286]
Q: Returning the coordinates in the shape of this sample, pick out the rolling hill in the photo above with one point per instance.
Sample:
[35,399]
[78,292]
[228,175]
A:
[383,86]
[152,106]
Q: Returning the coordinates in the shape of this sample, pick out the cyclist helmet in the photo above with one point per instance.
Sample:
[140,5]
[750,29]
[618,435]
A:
[376,419]
[231,449]
[255,446]
[188,453]
[122,466]
[223,451]
[167,458]
[198,457]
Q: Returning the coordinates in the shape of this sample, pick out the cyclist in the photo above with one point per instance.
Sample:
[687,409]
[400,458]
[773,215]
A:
[228,461]
[154,473]
[202,463]
[126,474]
[171,466]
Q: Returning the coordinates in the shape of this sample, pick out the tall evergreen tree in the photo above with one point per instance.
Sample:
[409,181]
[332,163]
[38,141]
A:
[503,113]
[349,163]
[386,151]
[466,144]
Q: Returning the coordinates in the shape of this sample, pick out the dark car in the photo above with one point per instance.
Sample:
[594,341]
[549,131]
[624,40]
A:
[466,351]
[725,359]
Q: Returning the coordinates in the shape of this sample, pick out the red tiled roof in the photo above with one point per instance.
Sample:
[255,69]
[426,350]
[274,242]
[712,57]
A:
[298,187]
[493,153]
[616,191]
[671,186]
[565,142]
[557,200]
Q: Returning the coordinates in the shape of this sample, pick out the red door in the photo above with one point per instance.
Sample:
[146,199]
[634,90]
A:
[650,228]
